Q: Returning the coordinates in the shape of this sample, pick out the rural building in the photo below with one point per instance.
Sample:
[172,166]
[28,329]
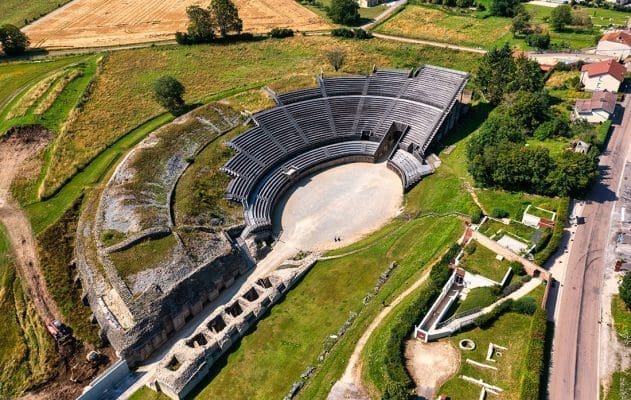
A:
[579,146]
[604,75]
[597,109]
[615,44]
[369,3]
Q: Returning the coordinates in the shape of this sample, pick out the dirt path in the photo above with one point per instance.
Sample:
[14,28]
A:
[430,365]
[429,43]
[15,150]
[350,385]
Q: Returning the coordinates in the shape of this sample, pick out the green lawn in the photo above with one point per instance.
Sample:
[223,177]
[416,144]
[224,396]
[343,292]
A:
[20,12]
[478,29]
[514,203]
[319,305]
[478,298]
[144,256]
[622,319]
[27,352]
[516,229]
[483,262]
[16,77]
[511,331]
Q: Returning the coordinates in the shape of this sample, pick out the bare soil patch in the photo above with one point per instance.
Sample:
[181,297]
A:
[430,365]
[98,23]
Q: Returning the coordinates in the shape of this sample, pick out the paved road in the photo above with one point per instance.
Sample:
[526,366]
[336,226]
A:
[575,349]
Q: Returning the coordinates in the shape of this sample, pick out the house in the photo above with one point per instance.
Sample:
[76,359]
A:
[369,3]
[604,75]
[615,44]
[597,109]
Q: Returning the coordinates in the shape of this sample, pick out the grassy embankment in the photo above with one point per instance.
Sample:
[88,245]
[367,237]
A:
[478,29]
[480,260]
[620,388]
[621,319]
[20,12]
[27,352]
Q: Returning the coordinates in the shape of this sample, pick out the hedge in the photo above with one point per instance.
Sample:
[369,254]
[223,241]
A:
[534,360]
[557,233]
[396,378]
[602,132]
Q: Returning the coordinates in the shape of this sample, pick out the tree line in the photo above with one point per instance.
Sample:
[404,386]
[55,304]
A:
[221,17]
[498,153]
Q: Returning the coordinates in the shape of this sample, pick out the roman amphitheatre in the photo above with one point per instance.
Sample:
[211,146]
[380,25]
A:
[95,23]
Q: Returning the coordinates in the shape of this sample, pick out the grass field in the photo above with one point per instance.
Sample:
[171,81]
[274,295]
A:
[121,99]
[511,330]
[621,319]
[27,352]
[478,298]
[620,386]
[52,105]
[514,203]
[482,261]
[16,77]
[476,29]
[333,288]
[20,12]
[144,256]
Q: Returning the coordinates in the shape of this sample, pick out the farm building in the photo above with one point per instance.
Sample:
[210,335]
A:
[597,109]
[616,44]
[604,75]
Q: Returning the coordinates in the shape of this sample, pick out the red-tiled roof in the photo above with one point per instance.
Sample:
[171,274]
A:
[599,101]
[610,67]
[617,37]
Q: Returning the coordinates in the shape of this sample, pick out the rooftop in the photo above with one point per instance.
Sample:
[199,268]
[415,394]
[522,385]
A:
[617,37]
[599,101]
[610,67]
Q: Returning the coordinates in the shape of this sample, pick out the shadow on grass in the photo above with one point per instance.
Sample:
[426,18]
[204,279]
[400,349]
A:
[468,124]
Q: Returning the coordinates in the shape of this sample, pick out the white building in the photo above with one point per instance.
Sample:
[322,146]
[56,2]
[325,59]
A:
[615,44]
[597,109]
[604,75]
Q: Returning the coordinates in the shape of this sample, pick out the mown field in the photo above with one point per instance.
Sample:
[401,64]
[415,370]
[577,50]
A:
[122,99]
[27,352]
[478,29]
[20,12]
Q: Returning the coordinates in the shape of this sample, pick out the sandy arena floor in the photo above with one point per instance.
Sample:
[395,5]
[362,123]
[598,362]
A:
[348,201]
[430,365]
[99,23]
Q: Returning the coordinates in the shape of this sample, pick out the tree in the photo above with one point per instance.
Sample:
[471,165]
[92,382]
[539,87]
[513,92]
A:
[560,17]
[520,25]
[14,42]
[226,17]
[168,92]
[573,174]
[528,75]
[336,57]
[504,8]
[200,25]
[625,289]
[526,109]
[345,12]
[540,41]
[495,71]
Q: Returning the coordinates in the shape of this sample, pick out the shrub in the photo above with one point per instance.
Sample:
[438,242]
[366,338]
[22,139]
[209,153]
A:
[280,33]
[526,278]
[485,321]
[625,289]
[168,92]
[345,12]
[557,233]
[525,305]
[499,213]
[538,41]
[476,216]
[513,287]
[531,388]
[517,268]
[470,249]
[342,32]
[362,34]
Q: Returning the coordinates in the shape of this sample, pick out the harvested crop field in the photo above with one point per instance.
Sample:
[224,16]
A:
[96,23]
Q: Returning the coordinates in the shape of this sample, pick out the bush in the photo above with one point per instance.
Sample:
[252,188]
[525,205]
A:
[476,216]
[345,12]
[531,388]
[526,278]
[557,233]
[513,287]
[625,289]
[470,249]
[343,32]
[499,213]
[485,321]
[280,33]
[168,92]
[538,41]
[517,268]
[362,34]
[525,305]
